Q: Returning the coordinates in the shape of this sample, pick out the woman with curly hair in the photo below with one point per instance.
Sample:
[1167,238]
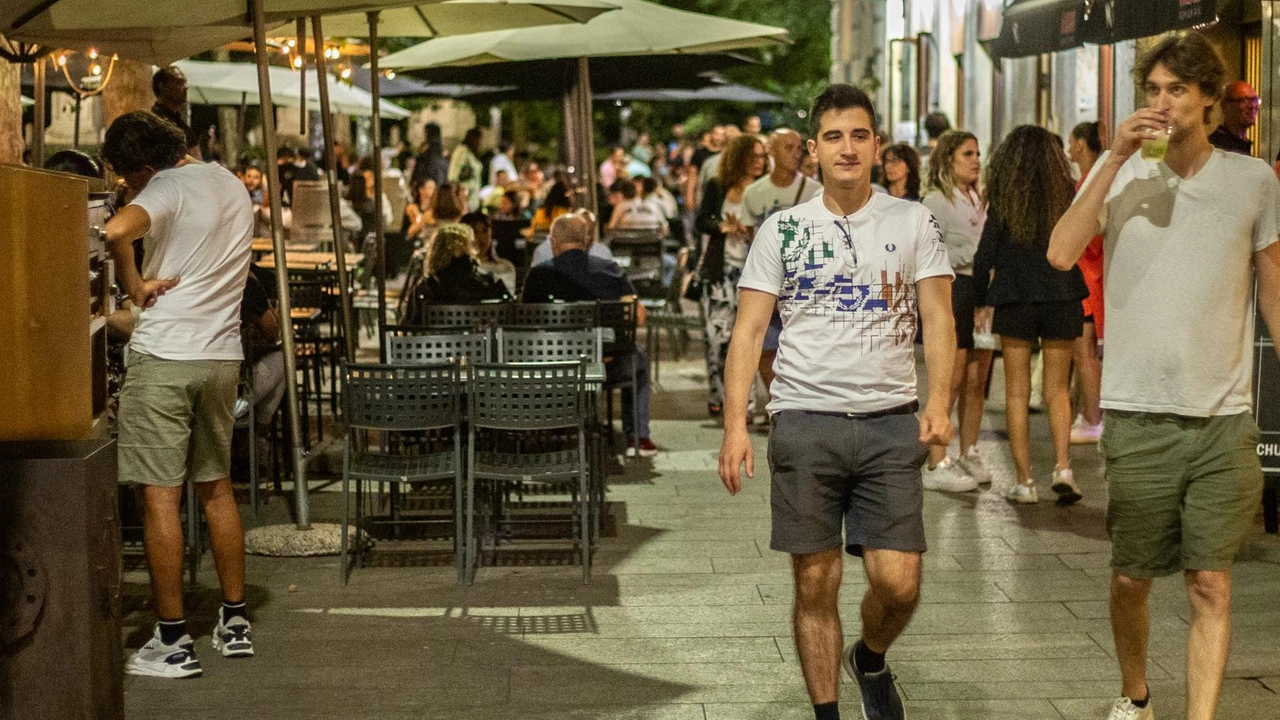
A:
[901,165]
[452,275]
[957,204]
[1029,187]
[725,241]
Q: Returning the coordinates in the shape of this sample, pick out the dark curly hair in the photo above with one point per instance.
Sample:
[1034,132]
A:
[1029,184]
[140,140]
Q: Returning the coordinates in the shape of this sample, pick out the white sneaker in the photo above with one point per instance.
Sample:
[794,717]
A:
[1022,494]
[1124,709]
[155,659]
[1064,483]
[1084,432]
[234,638]
[972,465]
[945,477]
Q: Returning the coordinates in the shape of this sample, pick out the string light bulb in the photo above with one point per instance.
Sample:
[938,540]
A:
[346,73]
[297,63]
[95,69]
[62,60]
[93,53]
[390,74]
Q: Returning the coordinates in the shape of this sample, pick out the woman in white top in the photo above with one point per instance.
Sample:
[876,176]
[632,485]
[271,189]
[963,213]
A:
[486,255]
[724,251]
[956,202]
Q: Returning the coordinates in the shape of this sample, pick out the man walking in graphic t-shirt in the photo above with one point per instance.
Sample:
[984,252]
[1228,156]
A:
[175,418]
[1184,240]
[847,270]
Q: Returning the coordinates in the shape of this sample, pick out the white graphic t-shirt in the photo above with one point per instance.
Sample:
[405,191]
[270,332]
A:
[846,289]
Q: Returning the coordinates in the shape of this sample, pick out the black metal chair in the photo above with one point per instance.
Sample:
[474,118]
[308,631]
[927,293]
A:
[547,399]
[553,315]
[415,346]
[621,317]
[548,345]
[478,316]
[410,399]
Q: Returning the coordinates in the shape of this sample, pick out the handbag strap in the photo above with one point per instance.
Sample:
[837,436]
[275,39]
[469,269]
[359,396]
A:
[800,190]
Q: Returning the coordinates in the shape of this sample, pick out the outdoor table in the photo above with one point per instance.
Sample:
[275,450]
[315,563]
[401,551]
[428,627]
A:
[311,260]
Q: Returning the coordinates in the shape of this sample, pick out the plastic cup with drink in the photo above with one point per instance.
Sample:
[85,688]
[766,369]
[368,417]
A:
[1156,144]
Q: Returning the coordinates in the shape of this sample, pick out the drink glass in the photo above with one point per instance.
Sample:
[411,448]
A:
[1155,146]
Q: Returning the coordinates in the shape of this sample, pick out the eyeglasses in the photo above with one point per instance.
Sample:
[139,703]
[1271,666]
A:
[848,241]
[1254,101]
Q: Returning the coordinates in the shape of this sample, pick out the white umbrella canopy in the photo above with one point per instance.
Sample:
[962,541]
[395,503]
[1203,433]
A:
[460,17]
[156,46]
[17,15]
[222,83]
[636,28]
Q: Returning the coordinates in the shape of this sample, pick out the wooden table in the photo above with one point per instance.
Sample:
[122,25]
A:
[262,246]
[311,260]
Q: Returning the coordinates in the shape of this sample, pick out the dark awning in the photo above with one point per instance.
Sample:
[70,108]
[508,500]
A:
[1032,27]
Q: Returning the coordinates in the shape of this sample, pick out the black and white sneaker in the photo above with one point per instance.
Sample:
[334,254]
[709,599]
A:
[155,659]
[880,700]
[233,638]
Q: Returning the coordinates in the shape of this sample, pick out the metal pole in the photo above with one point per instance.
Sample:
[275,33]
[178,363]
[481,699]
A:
[588,134]
[335,208]
[272,171]
[302,79]
[379,232]
[40,113]
[75,135]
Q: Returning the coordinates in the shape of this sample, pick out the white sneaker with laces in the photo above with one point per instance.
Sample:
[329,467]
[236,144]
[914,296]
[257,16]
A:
[1064,483]
[1124,709]
[1022,494]
[234,638]
[945,477]
[155,659]
[971,463]
[1084,432]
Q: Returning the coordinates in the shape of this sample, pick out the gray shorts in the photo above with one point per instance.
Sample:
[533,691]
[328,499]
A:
[832,470]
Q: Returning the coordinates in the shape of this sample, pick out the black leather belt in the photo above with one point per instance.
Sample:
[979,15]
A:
[907,409]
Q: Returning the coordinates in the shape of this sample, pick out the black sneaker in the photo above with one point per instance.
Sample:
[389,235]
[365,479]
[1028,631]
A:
[880,700]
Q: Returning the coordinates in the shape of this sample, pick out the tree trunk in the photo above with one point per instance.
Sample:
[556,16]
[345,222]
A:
[129,90]
[11,140]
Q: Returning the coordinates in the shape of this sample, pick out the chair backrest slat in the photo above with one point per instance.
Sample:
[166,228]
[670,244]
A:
[480,315]
[538,396]
[405,346]
[401,397]
[548,345]
[553,315]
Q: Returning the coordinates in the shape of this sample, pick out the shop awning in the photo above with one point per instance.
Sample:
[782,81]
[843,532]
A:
[1033,27]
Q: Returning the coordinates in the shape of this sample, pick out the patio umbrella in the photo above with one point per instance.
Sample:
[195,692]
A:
[727,92]
[636,28]
[460,17]
[27,102]
[405,86]
[227,83]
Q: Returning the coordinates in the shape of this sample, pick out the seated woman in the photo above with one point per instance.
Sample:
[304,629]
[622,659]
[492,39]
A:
[452,275]
[486,253]
[557,203]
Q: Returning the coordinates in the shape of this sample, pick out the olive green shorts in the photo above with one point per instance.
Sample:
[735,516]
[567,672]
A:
[1183,491]
[175,420]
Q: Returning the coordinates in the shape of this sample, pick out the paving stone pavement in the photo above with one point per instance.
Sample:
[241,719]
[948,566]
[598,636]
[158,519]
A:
[686,617]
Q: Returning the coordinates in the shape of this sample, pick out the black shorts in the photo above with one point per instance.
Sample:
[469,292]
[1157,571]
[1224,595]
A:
[962,306]
[1059,320]
[832,472]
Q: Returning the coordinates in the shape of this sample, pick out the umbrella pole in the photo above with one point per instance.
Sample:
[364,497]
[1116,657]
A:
[335,209]
[587,135]
[380,240]
[303,507]
[302,79]
[40,111]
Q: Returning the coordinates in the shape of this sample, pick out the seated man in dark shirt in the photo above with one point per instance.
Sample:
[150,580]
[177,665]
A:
[573,275]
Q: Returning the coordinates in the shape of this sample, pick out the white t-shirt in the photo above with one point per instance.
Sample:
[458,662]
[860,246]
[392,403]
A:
[762,198]
[201,230]
[846,289]
[1179,285]
[961,219]
[542,252]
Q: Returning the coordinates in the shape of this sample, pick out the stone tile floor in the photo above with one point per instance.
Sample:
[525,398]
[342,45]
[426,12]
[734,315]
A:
[686,617]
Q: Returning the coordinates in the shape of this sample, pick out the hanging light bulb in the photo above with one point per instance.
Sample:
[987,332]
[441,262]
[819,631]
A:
[346,73]
[93,53]
[95,69]
[62,60]
[391,74]
[291,42]
[297,63]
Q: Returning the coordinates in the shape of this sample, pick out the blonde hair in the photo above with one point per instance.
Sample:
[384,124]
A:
[942,162]
[451,241]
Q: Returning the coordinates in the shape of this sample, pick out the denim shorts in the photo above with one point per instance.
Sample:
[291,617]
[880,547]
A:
[833,473]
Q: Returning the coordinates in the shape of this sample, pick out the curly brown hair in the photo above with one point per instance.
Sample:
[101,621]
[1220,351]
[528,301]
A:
[942,162]
[735,164]
[1029,184]
[451,241]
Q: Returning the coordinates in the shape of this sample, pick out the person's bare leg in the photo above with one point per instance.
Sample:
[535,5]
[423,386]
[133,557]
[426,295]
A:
[1057,397]
[162,540]
[816,619]
[1130,628]
[937,452]
[1089,374]
[1017,394]
[226,535]
[973,397]
[893,591]
[1209,594]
